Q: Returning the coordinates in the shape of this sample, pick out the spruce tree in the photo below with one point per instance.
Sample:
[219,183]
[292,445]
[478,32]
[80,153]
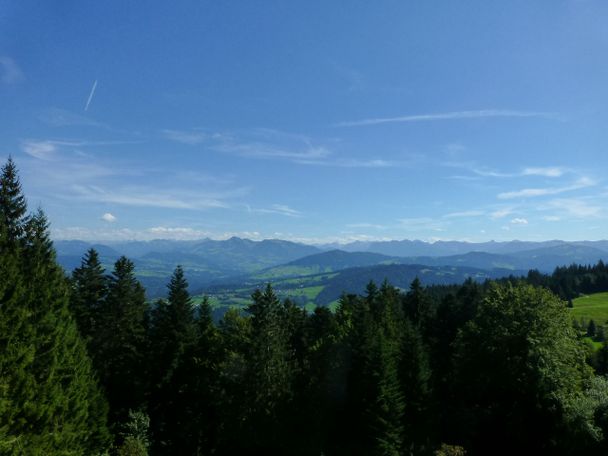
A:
[89,289]
[119,344]
[173,400]
[49,401]
[13,207]
[269,371]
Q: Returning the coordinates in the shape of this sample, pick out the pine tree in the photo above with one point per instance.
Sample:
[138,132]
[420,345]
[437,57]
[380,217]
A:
[119,344]
[54,405]
[417,304]
[269,371]
[373,412]
[89,289]
[13,207]
[173,399]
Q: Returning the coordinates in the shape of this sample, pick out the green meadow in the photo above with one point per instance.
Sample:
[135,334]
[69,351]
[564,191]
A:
[594,306]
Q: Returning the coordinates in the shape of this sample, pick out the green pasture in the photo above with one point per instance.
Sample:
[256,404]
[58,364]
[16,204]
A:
[594,306]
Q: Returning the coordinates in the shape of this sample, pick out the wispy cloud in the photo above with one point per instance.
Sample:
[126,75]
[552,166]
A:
[501,213]
[280,209]
[474,168]
[91,94]
[455,115]
[535,192]
[191,137]
[10,73]
[464,214]
[352,163]
[269,144]
[43,150]
[141,196]
[576,208]
[546,172]
[519,221]
[46,149]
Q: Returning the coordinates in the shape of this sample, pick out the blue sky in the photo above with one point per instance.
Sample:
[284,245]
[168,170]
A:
[309,120]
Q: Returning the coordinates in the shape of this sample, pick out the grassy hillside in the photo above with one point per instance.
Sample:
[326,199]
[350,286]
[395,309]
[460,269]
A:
[593,306]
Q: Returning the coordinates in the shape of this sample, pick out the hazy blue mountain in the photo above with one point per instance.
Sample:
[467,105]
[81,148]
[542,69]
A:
[339,259]
[204,260]
[415,248]
[546,259]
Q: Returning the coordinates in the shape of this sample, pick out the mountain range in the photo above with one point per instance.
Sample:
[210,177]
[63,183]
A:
[238,262]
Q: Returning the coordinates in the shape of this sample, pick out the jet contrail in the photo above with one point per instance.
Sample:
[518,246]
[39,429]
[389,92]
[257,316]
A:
[86,108]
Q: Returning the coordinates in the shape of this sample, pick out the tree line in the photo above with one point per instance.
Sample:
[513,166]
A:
[87,366]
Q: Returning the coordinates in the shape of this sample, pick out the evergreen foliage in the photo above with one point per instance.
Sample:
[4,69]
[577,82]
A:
[49,400]
[89,290]
[118,346]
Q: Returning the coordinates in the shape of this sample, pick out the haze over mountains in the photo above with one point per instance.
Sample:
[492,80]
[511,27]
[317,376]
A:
[242,261]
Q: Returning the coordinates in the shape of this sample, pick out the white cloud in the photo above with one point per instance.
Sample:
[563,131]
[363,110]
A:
[457,115]
[107,217]
[583,182]
[546,172]
[464,214]
[43,150]
[10,73]
[47,149]
[519,221]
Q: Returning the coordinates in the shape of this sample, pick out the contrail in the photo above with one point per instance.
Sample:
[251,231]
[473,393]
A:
[86,108]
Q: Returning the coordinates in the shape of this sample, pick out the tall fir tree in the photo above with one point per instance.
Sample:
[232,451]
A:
[49,401]
[89,290]
[119,345]
[13,207]
[173,401]
[269,374]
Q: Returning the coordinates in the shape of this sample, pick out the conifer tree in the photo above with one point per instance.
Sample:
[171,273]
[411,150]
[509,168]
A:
[373,413]
[89,289]
[417,304]
[269,370]
[119,344]
[13,207]
[173,400]
[49,401]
